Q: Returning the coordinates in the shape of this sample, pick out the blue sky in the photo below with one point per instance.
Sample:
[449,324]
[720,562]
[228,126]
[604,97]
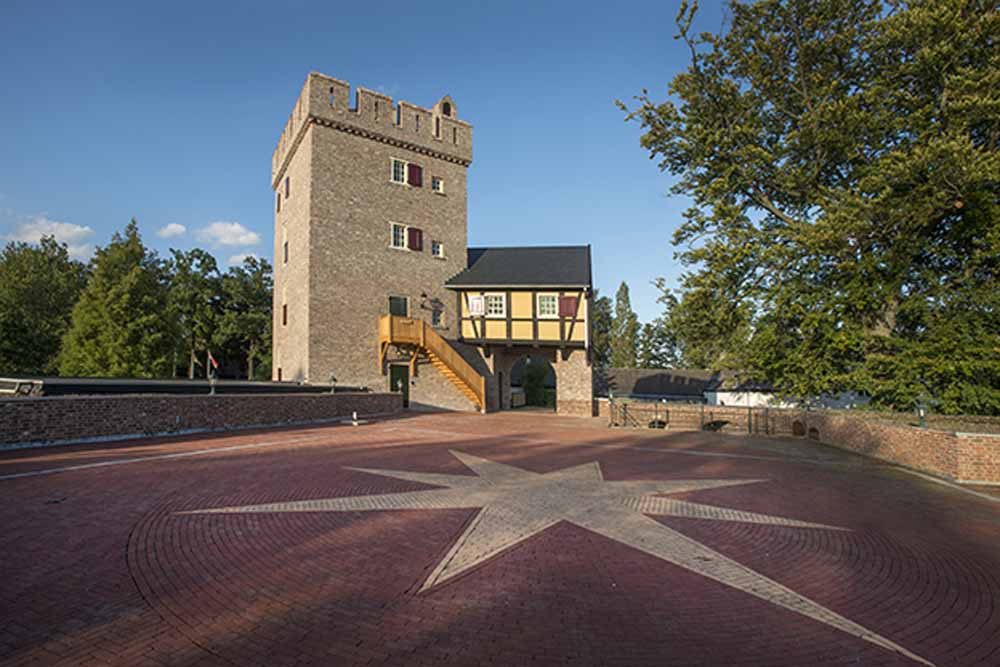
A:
[168,112]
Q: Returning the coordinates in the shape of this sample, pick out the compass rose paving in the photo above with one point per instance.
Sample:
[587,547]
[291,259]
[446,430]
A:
[504,539]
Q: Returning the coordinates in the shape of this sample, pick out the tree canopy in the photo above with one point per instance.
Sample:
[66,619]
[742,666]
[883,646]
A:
[122,325]
[842,160]
[38,286]
[195,300]
[624,330]
[244,328]
[601,321]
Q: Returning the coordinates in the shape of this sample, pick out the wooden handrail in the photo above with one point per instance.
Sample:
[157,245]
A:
[394,329]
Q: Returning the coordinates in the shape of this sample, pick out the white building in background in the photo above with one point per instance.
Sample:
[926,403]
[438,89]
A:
[722,388]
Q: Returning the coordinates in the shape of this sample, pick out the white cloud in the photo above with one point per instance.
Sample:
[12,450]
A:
[223,233]
[236,260]
[72,235]
[171,231]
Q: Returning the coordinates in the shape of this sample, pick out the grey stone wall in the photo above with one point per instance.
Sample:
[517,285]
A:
[342,268]
[291,279]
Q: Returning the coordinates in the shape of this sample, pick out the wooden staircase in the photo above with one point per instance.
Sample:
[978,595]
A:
[423,339]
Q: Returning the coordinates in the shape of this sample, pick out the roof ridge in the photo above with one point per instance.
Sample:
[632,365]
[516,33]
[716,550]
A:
[526,247]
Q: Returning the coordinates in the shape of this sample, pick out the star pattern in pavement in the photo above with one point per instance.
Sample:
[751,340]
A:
[515,504]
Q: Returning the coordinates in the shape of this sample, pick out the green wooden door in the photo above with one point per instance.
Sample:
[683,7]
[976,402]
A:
[399,380]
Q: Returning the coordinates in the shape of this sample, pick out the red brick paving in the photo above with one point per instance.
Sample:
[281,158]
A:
[98,568]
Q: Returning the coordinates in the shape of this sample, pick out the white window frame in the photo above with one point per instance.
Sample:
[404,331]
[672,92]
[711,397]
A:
[469,301]
[440,185]
[392,236]
[440,249]
[392,171]
[503,305]
[554,315]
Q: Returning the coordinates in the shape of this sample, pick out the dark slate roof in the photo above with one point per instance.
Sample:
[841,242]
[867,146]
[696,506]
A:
[671,382]
[531,266]
[674,382]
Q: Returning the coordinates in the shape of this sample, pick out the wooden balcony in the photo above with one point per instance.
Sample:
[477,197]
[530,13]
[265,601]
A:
[422,338]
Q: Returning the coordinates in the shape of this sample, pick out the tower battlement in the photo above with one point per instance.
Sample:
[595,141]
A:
[328,102]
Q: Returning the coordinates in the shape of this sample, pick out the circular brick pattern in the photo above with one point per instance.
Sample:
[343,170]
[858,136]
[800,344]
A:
[106,568]
[346,586]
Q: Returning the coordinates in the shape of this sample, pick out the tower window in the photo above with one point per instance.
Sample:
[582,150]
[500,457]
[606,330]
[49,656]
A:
[437,249]
[332,100]
[398,236]
[278,206]
[398,171]
[437,127]
[288,186]
[285,252]
[416,121]
[407,173]
[454,135]
[437,185]
[279,373]
[376,109]
[284,314]
[446,109]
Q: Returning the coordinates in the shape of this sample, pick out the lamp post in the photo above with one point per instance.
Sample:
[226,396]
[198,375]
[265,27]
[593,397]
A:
[922,409]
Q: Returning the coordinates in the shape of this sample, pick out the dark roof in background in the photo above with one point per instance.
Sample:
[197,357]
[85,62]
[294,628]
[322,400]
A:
[531,266]
[655,382]
[677,382]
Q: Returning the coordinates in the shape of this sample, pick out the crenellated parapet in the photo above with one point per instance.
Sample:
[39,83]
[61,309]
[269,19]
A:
[328,102]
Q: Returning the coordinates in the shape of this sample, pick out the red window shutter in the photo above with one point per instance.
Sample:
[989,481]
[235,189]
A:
[415,177]
[416,240]
[567,306]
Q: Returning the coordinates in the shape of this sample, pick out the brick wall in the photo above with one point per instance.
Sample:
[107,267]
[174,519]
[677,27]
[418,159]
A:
[978,458]
[63,419]
[574,383]
[961,457]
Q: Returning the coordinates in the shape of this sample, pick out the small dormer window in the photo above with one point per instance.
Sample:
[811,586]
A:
[446,109]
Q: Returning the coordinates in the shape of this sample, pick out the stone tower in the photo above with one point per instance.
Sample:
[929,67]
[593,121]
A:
[370,218]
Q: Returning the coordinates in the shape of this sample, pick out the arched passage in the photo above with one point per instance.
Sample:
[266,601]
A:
[533,383]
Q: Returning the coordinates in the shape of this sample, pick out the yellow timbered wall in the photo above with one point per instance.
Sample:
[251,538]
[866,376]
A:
[522,321]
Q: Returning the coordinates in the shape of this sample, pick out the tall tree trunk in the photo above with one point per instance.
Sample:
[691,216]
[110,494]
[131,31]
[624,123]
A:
[250,355]
[191,365]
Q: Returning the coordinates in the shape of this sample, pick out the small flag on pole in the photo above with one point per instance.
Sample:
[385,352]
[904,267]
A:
[211,360]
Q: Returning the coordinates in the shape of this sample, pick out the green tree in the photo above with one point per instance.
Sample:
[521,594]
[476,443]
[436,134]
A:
[843,160]
[38,286]
[656,346]
[245,324]
[601,321]
[624,331]
[535,375]
[708,330]
[195,295]
[121,325]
